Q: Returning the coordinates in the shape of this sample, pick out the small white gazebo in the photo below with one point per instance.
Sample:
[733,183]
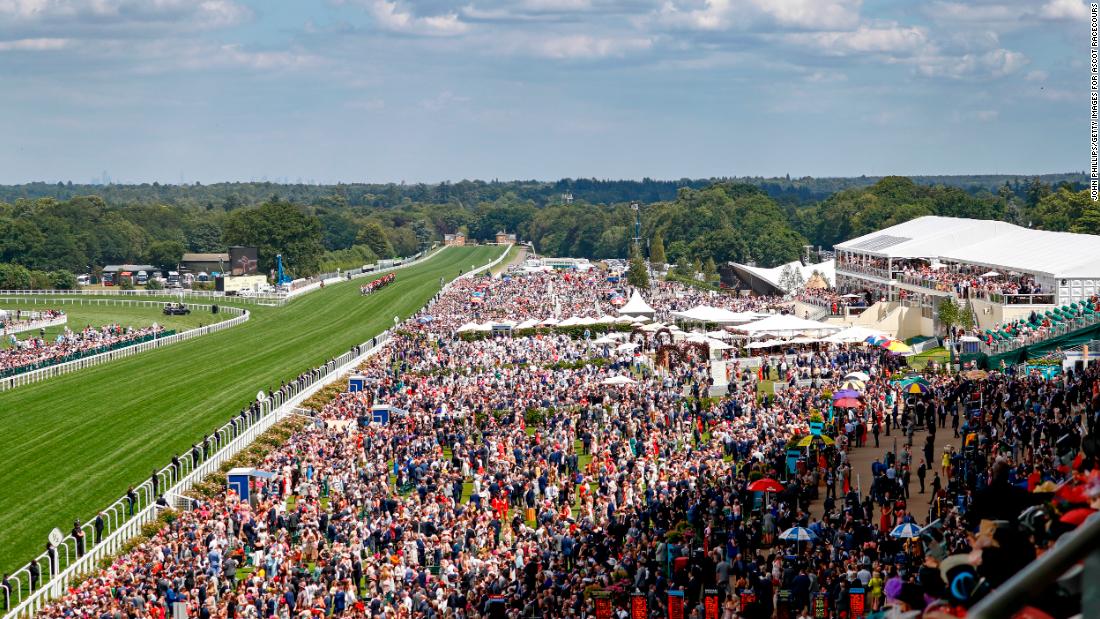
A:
[637,306]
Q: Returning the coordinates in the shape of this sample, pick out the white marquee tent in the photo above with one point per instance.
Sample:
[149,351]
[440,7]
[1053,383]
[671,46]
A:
[786,323]
[637,306]
[717,315]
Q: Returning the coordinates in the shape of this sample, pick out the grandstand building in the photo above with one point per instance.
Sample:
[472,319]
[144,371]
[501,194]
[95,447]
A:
[1002,270]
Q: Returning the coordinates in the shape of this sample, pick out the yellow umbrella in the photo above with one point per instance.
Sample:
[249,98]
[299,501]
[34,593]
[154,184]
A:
[898,346]
[853,384]
[806,440]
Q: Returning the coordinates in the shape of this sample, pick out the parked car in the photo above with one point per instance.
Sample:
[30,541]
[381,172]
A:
[176,309]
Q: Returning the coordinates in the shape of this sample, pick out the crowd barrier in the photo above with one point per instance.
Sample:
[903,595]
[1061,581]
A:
[26,378]
[57,573]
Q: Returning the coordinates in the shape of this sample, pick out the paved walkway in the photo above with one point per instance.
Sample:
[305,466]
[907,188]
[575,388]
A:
[862,458]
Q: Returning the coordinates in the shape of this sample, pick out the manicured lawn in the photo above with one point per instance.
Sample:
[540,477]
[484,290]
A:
[81,316]
[919,361]
[74,443]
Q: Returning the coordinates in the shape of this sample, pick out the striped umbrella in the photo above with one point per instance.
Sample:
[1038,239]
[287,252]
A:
[906,530]
[798,534]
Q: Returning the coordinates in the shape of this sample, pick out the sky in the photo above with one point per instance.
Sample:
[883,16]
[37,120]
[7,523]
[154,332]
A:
[429,90]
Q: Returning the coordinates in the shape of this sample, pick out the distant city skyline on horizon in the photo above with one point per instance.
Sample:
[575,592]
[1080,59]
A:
[425,90]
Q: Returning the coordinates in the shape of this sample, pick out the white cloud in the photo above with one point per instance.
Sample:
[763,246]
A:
[393,17]
[994,63]
[33,45]
[1008,13]
[783,14]
[582,46]
[444,100]
[1064,9]
[115,14]
[888,39]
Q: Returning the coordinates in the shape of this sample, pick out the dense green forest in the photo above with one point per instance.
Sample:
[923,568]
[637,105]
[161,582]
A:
[49,230]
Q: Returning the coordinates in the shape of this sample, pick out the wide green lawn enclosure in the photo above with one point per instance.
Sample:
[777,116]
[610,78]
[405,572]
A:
[72,444]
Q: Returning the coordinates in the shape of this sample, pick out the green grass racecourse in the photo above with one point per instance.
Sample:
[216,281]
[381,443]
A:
[71,445]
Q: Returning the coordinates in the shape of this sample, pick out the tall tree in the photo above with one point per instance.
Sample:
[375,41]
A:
[278,228]
[657,251]
[637,275]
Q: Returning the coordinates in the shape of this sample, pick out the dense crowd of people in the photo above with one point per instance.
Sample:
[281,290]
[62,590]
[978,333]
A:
[970,281]
[13,321]
[534,476]
[36,352]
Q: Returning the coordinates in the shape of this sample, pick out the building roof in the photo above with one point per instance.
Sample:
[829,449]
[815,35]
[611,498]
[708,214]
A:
[1060,254]
[129,267]
[771,277]
[924,237]
[205,258]
[995,244]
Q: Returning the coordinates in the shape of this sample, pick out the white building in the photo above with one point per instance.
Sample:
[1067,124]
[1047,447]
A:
[1004,270]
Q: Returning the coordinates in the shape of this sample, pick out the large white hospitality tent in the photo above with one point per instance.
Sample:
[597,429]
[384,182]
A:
[717,315]
[1065,264]
[637,306]
[780,324]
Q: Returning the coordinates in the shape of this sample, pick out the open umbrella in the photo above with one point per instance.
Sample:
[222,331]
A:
[848,403]
[798,534]
[1076,516]
[975,374]
[846,393]
[852,384]
[806,440]
[906,530]
[916,388]
[860,376]
[618,380]
[766,484]
[897,346]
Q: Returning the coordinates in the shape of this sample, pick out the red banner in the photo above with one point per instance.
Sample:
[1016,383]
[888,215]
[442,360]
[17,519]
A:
[710,603]
[603,608]
[675,605]
[639,607]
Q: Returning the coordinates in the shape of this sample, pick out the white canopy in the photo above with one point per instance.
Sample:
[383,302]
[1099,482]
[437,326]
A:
[549,322]
[604,340]
[530,323]
[628,346]
[624,320]
[709,341]
[618,380]
[470,326]
[637,306]
[717,315]
[766,344]
[606,320]
[720,335]
[572,321]
[853,334]
[785,323]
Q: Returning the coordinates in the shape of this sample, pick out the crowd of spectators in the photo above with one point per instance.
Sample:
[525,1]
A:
[12,321]
[516,480]
[35,352]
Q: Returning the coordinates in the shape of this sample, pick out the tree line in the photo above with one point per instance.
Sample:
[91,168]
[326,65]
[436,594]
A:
[319,229]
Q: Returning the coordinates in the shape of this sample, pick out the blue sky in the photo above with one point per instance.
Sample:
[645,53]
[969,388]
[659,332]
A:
[429,90]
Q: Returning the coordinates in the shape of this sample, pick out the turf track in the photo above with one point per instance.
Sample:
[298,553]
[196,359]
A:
[71,445]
